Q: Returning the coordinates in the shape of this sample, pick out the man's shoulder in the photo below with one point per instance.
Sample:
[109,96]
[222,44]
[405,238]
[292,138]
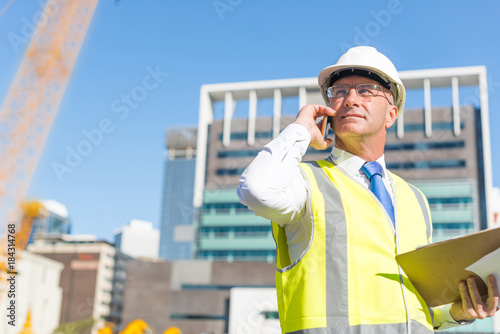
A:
[398,180]
[395,177]
[322,162]
[318,165]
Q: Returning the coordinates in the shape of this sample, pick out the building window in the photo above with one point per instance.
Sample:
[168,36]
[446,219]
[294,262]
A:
[453,226]
[425,146]
[220,231]
[421,127]
[427,164]
[237,154]
[223,208]
[176,316]
[230,171]
[239,231]
[244,135]
[450,203]
[252,231]
[270,314]
[248,255]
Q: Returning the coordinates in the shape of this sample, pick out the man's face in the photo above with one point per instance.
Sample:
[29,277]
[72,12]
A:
[361,116]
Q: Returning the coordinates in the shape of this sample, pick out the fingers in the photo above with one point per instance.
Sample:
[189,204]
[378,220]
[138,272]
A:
[475,296]
[322,145]
[307,117]
[467,305]
[311,112]
[493,295]
[320,110]
[473,305]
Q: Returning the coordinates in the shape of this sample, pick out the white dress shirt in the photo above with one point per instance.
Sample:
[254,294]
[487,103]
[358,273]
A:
[274,187]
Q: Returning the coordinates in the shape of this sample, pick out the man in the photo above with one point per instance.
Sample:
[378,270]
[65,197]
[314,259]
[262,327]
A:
[339,222]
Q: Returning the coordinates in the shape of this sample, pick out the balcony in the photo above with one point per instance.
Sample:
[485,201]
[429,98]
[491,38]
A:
[230,243]
[232,220]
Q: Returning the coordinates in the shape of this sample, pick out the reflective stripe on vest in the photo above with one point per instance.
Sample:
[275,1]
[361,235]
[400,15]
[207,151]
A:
[350,257]
[417,328]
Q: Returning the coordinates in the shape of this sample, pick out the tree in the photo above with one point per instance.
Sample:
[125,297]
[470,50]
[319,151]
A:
[75,327]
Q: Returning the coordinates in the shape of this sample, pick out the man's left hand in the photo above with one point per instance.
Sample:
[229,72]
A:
[473,305]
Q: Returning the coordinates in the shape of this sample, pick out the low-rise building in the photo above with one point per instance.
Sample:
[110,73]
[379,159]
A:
[138,239]
[34,293]
[92,280]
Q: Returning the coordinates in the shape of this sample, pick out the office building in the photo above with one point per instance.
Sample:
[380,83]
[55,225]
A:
[138,239]
[92,281]
[54,222]
[441,145]
[177,215]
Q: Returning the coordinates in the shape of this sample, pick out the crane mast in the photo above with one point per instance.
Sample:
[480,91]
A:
[30,107]
[34,97]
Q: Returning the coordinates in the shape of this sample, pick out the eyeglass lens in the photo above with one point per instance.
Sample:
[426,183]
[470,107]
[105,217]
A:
[363,90]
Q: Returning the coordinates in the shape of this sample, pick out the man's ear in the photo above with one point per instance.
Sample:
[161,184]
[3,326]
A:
[392,114]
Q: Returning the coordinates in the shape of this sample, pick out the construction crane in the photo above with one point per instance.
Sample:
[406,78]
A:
[34,96]
[32,102]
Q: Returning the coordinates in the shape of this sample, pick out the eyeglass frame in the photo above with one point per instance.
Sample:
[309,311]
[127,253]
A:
[380,88]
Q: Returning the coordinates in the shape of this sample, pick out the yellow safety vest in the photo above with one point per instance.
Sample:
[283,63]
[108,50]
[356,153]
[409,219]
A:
[347,280]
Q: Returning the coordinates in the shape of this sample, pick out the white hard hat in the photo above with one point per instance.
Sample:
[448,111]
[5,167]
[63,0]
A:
[365,61]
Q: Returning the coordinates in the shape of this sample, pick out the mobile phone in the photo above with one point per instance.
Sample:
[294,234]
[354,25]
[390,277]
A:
[324,126]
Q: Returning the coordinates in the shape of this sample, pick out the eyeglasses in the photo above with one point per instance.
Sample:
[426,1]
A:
[365,91]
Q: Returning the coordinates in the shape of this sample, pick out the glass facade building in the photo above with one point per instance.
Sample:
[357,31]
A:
[177,216]
[55,223]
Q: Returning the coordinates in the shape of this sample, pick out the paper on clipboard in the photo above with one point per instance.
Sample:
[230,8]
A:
[487,265]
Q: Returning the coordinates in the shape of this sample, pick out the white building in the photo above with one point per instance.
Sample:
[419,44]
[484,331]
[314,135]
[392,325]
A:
[253,310]
[138,239]
[36,291]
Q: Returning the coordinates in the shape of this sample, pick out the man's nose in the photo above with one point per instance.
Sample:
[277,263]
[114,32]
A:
[352,98]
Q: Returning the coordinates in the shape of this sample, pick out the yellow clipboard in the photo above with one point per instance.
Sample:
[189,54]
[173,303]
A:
[436,269]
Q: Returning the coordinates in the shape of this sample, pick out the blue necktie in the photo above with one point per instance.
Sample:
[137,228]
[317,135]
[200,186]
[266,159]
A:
[373,170]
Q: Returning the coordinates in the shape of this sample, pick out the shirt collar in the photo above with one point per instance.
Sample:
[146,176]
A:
[350,163]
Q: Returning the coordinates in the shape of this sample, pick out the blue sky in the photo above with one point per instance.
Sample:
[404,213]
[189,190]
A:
[203,42]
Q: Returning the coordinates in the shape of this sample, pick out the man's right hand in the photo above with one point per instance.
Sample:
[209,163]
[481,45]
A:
[307,118]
